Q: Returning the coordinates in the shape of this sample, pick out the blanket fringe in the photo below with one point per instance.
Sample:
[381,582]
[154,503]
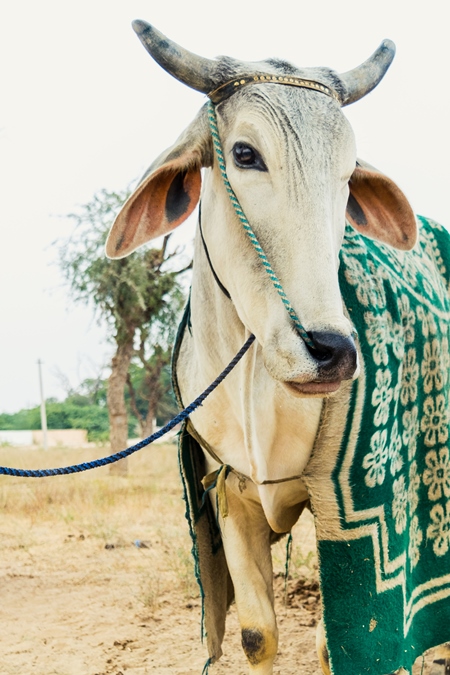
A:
[287,565]
[208,663]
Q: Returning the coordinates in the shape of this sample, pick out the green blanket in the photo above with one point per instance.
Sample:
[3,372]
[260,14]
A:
[379,477]
[210,565]
[379,474]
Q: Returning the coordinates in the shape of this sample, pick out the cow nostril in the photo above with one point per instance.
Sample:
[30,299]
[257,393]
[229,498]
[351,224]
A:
[334,354]
[320,355]
[319,351]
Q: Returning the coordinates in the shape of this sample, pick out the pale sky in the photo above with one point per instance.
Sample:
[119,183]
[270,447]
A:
[84,107]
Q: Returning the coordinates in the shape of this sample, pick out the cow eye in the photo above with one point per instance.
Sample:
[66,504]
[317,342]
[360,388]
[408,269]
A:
[246,157]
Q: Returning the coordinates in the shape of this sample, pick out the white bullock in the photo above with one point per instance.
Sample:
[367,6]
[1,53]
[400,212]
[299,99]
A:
[290,157]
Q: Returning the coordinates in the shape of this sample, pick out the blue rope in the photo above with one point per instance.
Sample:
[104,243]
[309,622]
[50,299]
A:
[85,466]
[248,229]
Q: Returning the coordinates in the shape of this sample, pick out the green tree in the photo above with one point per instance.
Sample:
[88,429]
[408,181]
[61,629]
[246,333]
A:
[150,396]
[86,407]
[74,413]
[138,298]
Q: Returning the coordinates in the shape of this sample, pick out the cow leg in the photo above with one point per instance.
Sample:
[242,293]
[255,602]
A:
[321,648]
[246,540]
[441,662]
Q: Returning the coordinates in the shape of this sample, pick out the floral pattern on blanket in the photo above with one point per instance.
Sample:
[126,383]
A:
[409,350]
[385,556]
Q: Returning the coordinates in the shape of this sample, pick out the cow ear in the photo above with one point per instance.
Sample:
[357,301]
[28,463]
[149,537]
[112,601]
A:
[167,194]
[379,209]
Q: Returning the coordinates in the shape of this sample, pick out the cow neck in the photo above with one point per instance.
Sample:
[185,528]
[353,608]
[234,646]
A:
[219,283]
[215,479]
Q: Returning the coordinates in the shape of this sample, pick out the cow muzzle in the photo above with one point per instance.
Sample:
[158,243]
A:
[336,359]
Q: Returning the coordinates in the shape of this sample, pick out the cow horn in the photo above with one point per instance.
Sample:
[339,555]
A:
[361,80]
[195,71]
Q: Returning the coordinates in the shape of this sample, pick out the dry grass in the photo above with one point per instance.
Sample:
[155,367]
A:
[77,496]
[146,505]
[117,512]
[103,566]
[80,596]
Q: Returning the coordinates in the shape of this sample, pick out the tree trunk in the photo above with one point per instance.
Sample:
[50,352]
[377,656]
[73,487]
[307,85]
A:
[118,418]
[147,424]
[134,406]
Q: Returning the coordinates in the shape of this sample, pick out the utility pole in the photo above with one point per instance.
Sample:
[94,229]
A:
[43,411]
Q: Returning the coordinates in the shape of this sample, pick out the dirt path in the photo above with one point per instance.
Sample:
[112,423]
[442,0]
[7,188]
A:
[71,606]
[96,577]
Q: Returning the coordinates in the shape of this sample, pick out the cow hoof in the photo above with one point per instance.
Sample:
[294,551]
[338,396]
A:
[260,648]
[440,667]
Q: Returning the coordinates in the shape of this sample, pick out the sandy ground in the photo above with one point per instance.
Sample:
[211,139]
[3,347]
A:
[96,576]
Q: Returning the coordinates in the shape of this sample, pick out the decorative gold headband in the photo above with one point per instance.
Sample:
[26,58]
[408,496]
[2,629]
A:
[229,88]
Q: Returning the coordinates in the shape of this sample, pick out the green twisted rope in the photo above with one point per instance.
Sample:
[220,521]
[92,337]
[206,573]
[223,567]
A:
[246,225]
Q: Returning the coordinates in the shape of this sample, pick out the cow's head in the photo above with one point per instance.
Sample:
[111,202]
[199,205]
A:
[291,160]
